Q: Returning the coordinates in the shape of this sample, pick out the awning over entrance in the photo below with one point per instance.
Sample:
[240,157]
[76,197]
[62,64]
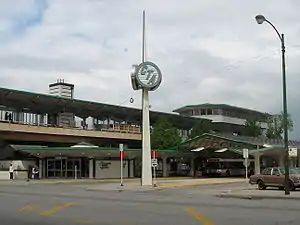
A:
[91,152]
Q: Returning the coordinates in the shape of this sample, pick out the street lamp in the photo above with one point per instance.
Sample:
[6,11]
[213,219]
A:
[260,19]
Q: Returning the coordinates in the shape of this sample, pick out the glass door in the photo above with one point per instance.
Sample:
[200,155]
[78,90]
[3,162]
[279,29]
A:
[63,168]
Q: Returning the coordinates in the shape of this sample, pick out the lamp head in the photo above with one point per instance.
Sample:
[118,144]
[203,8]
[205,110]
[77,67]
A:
[260,19]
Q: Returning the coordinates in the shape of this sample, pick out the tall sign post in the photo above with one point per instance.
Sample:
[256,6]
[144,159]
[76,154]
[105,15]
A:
[246,162]
[121,148]
[146,76]
[154,164]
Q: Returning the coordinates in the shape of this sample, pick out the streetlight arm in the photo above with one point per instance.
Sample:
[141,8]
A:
[275,30]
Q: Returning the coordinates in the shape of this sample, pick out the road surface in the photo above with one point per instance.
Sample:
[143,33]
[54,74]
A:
[70,204]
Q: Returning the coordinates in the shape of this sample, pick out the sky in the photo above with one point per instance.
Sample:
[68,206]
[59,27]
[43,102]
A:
[208,51]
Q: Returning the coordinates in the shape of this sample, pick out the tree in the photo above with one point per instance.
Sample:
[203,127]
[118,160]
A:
[200,128]
[253,127]
[276,126]
[164,134]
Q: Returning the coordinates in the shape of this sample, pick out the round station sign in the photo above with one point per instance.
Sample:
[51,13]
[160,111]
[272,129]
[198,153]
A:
[148,75]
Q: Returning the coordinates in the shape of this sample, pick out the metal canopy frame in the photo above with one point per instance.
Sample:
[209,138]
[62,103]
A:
[43,103]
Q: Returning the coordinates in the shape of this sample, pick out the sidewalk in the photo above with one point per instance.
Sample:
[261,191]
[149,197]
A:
[81,181]
[255,194]
[162,184]
[170,180]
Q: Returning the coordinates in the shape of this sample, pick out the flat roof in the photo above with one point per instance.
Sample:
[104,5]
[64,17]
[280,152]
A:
[218,106]
[46,103]
[90,152]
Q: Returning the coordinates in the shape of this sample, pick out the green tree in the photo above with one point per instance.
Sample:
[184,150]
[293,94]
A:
[200,128]
[276,125]
[253,127]
[164,134]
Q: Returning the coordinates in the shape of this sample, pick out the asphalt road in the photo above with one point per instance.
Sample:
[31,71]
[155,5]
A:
[70,204]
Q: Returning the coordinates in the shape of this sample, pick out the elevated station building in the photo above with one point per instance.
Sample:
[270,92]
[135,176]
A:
[41,130]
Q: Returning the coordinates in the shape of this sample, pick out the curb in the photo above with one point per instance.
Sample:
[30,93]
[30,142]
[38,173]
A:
[94,181]
[253,197]
[87,181]
[158,188]
[191,185]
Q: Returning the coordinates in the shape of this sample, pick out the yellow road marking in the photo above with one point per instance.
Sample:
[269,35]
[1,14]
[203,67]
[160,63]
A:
[57,209]
[83,221]
[27,208]
[199,217]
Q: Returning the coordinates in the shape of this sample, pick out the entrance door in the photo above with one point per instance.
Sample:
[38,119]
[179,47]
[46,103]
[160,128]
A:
[63,168]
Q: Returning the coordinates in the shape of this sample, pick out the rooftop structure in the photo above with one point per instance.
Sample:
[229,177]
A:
[226,118]
[62,89]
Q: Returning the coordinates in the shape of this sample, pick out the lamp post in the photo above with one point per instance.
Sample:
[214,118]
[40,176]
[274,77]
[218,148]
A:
[260,19]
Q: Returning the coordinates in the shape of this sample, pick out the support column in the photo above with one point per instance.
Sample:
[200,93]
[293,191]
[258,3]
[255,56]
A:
[41,169]
[257,163]
[146,144]
[91,168]
[298,157]
[281,161]
[192,171]
[165,167]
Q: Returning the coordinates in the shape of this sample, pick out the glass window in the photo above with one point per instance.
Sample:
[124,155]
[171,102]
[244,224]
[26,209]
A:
[203,112]
[292,170]
[209,112]
[275,172]
[215,112]
[266,172]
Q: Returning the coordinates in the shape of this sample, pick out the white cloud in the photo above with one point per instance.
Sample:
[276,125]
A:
[208,51]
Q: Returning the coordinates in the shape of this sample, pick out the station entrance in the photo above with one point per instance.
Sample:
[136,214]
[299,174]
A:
[63,167]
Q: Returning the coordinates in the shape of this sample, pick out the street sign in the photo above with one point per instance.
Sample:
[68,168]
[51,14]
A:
[121,148]
[154,162]
[246,163]
[293,152]
[154,154]
[245,153]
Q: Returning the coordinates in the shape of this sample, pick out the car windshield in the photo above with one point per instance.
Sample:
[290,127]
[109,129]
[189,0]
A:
[292,170]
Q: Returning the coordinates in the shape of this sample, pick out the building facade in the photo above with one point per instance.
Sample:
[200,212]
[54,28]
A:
[225,118]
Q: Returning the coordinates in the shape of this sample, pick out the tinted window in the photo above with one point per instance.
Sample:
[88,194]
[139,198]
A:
[266,172]
[292,170]
[275,172]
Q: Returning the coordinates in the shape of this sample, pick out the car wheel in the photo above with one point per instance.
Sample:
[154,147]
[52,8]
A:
[291,186]
[261,185]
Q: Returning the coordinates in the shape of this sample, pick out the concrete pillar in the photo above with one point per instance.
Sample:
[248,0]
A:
[192,171]
[257,163]
[91,168]
[165,166]
[41,169]
[281,161]
[298,157]
[131,168]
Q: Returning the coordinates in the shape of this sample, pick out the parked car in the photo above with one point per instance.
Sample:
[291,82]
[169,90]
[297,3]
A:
[274,177]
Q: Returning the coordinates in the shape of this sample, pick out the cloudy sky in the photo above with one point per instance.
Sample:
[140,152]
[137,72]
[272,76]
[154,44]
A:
[208,51]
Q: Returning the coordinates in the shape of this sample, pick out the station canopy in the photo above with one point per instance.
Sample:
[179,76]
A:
[223,144]
[43,103]
[91,152]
